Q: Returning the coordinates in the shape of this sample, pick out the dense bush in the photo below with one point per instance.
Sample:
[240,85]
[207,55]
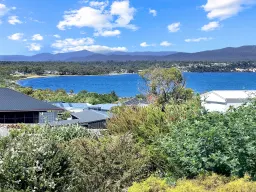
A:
[213,183]
[62,96]
[221,143]
[149,123]
[108,163]
[144,123]
[34,159]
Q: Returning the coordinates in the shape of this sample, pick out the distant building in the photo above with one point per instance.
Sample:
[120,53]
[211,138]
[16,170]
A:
[221,101]
[103,107]
[72,107]
[16,108]
[90,119]
[80,107]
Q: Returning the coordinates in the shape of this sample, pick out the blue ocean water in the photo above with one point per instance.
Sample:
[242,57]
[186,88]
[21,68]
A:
[128,85]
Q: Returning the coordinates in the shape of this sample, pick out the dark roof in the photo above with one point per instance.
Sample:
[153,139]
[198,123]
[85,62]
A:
[88,116]
[136,101]
[11,101]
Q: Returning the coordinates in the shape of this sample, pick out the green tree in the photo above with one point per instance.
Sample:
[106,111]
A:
[164,84]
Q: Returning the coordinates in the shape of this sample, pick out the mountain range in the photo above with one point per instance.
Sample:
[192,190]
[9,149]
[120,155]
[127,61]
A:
[226,54]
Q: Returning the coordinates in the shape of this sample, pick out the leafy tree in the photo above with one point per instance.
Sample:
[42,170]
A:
[165,84]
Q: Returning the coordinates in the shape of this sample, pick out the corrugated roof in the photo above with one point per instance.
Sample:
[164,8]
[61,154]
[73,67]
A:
[91,116]
[105,107]
[11,100]
[136,101]
[223,96]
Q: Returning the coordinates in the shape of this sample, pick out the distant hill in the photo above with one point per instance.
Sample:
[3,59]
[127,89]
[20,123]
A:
[225,54]
[146,53]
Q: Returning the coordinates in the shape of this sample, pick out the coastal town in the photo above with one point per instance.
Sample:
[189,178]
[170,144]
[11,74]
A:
[127,96]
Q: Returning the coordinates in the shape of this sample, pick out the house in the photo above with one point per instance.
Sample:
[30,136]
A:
[80,107]
[221,101]
[72,107]
[16,107]
[103,107]
[91,119]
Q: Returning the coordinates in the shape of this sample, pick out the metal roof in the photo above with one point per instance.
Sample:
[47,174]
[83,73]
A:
[223,96]
[13,101]
[88,116]
[104,107]
[136,101]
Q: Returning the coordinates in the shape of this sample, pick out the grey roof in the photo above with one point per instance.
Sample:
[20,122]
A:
[104,107]
[11,101]
[136,101]
[88,116]
[70,105]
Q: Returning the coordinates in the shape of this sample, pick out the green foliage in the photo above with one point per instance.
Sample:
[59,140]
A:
[212,183]
[108,163]
[221,143]
[152,184]
[34,159]
[166,84]
[63,96]
[144,122]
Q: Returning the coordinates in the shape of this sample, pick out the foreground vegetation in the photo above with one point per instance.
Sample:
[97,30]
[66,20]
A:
[173,145]
[182,151]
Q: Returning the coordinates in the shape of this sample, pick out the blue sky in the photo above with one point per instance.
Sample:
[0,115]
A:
[37,26]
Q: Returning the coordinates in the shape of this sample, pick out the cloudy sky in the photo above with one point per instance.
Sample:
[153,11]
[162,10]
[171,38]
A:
[56,26]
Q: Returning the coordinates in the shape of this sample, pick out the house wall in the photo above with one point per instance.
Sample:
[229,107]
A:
[19,117]
[97,125]
[48,117]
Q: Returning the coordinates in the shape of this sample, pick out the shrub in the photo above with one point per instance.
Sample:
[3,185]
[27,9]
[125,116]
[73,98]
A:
[212,183]
[144,123]
[34,159]
[220,143]
[108,163]
[152,184]
[240,185]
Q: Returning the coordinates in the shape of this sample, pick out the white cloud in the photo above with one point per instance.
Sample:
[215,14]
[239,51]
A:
[85,17]
[174,27]
[16,36]
[223,9]
[99,4]
[70,45]
[35,20]
[56,36]
[198,39]
[166,44]
[3,9]
[144,44]
[107,33]
[98,17]
[34,47]
[13,20]
[124,12]
[153,12]
[37,37]
[211,26]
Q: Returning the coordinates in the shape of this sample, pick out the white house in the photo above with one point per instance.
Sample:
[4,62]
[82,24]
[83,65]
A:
[221,101]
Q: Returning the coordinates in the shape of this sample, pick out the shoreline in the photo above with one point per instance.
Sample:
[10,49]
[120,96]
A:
[49,76]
